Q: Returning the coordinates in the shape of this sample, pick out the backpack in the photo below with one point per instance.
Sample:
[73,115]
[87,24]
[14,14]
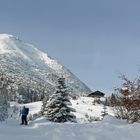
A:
[26,111]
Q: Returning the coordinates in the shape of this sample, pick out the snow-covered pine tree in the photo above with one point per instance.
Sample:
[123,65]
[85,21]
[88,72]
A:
[104,112]
[44,103]
[57,108]
[3,98]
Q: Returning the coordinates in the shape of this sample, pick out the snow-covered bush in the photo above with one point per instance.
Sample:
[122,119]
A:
[90,118]
[33,117]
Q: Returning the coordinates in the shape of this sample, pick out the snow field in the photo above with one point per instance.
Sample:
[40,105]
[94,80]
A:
[108,129]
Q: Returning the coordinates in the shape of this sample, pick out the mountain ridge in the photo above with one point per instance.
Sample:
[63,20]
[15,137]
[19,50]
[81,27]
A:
[20,58]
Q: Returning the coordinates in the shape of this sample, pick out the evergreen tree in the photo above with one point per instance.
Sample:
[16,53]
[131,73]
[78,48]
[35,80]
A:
[104,112]
[44,104]
[113,100]
[3,98]
[57,107]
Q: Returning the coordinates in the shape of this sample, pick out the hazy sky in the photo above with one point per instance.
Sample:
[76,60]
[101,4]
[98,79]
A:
[96,39]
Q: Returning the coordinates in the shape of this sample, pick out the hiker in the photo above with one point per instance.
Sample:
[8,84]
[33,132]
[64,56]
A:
[24,112]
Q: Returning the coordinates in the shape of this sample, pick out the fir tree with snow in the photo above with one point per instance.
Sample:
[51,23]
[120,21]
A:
[3,98]
[57,108]
[104,112]
[44,103]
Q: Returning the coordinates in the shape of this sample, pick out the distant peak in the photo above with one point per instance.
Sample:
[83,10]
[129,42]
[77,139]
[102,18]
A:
[6,36]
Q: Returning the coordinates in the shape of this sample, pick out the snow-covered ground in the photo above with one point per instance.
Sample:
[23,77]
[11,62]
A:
[109,129]
[85,109]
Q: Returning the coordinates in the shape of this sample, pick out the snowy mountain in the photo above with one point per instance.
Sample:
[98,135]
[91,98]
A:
[22,61]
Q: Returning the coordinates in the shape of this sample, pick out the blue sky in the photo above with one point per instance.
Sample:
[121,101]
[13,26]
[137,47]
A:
[96,39]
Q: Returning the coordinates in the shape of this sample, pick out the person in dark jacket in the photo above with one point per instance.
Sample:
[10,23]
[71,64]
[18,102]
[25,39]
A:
[24,112]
